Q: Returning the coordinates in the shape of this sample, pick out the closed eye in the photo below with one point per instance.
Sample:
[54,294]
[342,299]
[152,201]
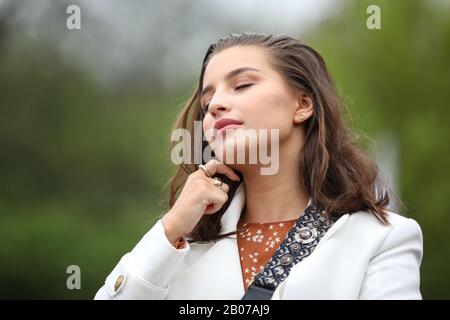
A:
[244,86]
[205,108]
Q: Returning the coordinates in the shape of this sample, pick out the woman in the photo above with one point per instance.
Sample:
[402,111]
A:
[315,228]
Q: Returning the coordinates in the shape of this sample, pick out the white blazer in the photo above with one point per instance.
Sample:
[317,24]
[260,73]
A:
[358,258]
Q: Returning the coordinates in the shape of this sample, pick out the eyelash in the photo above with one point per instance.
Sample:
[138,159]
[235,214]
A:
[205,108]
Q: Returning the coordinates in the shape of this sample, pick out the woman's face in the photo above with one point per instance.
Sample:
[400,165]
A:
[256,95]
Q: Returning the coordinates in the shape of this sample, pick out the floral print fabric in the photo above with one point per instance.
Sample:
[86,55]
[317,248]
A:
[257,242]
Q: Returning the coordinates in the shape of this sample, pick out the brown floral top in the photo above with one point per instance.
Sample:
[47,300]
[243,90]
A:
[257,243]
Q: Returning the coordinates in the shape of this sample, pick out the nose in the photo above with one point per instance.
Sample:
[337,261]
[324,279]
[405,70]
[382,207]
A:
[218,105]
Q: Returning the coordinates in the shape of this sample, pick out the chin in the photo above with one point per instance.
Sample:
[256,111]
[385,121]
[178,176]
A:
[234,152]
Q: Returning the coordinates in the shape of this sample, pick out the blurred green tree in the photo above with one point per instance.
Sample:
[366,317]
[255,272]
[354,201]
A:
[396,80]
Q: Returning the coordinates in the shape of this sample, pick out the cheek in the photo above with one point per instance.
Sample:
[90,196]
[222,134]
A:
[271,110]
[208,122]
[207,129]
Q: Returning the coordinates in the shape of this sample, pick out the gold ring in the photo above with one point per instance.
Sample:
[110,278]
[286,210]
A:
[205,170]
[218,183]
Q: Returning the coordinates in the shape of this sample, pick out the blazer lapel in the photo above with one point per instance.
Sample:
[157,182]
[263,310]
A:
[231,216]
[217,274]
[334,228]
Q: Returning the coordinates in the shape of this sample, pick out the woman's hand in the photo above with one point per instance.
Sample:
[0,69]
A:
[199,196]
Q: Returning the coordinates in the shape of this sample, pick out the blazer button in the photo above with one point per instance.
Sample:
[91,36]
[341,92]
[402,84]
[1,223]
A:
[119,282]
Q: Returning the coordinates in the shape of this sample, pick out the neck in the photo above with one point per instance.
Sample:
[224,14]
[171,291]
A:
[278,197]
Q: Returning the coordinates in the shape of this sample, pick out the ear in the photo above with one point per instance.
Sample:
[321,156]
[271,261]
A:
[304,109]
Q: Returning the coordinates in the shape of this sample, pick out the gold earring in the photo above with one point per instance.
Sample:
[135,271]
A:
[301,116]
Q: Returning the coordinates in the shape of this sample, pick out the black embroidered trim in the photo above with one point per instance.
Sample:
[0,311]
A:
[300,242]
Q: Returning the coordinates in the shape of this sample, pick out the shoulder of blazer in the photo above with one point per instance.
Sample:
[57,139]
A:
[400,227]
[400,230]
[404,230]
[359,219]
[368,219]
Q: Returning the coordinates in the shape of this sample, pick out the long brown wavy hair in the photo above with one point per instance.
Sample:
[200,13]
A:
[335,172]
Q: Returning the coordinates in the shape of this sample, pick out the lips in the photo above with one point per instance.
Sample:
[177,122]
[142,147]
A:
[225,123]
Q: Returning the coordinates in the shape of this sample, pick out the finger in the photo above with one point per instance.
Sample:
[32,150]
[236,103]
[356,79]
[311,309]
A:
[215,202]
[224,187]
[208,205]
[215,166]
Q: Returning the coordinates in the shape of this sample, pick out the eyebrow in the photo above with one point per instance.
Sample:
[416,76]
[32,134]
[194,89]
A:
[229,75]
